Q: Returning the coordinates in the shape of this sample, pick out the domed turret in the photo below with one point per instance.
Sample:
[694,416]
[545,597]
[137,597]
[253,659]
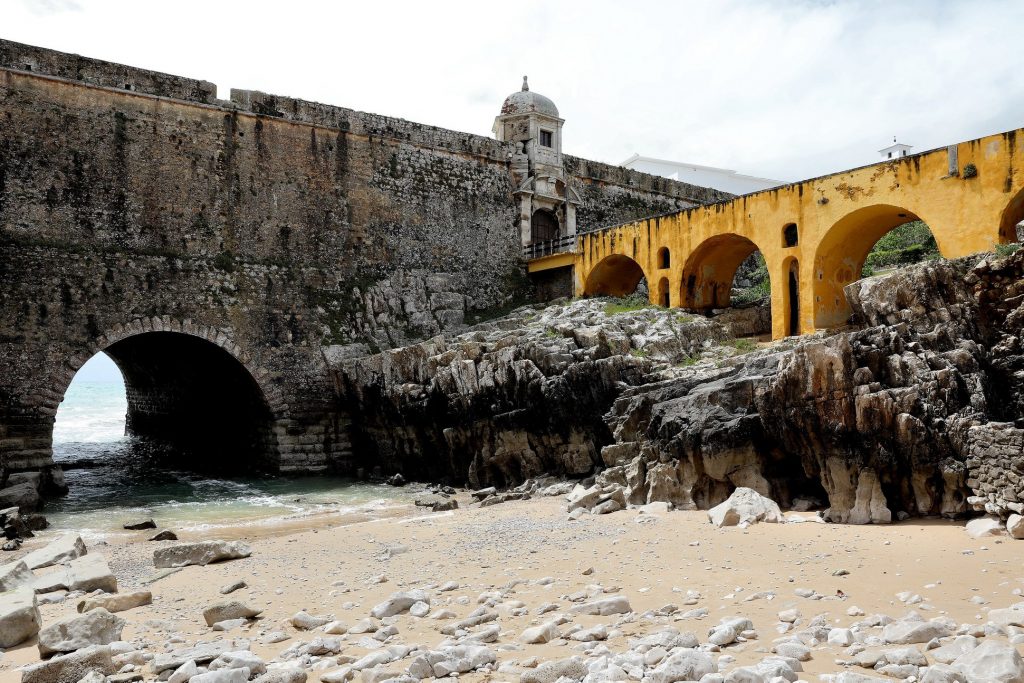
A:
[527,102]
[547,205]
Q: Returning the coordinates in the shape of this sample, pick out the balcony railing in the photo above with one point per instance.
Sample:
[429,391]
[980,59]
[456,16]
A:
[536,250]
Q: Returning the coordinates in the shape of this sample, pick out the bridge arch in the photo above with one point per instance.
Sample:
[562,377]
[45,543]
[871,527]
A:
[709,271]
[841,253]
[1012,215]
[614,275]
[191,386]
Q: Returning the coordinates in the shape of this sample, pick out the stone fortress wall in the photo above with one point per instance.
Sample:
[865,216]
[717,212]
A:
[282,231]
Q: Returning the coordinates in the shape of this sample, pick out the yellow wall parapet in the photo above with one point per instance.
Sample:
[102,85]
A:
[971,195]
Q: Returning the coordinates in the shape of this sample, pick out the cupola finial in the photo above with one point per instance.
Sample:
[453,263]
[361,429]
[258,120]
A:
[526,86]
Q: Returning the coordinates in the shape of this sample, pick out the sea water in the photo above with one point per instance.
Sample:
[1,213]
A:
[129,479]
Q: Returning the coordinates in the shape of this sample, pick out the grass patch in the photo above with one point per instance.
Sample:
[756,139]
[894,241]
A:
[1007,249]
[742,345]
[639,353]
[627,304]
[688,361]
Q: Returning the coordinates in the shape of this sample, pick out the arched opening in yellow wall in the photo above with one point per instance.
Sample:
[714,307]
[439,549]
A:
[614,275]
[841,255]
[1013,215]
[663,293]
[707,278]
[791,296]
[664,258]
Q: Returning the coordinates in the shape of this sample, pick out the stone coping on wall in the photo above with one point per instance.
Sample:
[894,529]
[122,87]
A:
[50,63]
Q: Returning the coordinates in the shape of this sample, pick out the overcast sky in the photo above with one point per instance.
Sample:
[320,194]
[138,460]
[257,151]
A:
[788,90]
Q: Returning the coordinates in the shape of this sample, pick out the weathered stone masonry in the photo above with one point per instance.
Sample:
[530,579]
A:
[277,230]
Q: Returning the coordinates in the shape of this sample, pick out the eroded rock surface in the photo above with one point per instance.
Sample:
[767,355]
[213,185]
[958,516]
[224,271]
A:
[914,411]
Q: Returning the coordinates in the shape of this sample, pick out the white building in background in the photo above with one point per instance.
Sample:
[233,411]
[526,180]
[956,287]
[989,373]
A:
[704,176]
[895,150]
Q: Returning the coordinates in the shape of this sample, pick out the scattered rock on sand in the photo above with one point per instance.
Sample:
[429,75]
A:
[544,633]
[984,526]
[239,659]
[164,535]
[228,610]
[457,659]
[70,667]
[88,573]
[1015,526]
[200,653]
[116,603]
[222,676]
[684,665]
[398,603]
[305,621]
[616,604]
[745,507]
[62,549]
[95,627]
[232,587]
[282,673]
[908,632]
[141,524]
[992,661]
[549,672]
[15,575]
[19,617]
[199,553]
[336,628]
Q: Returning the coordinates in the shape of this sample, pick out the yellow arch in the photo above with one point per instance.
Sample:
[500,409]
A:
[709,271]
[614,275]
[839,258]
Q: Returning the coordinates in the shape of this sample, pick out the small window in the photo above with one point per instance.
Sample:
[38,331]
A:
[904,152]
[890,155]
[664,258]
[545,138]
[790,236]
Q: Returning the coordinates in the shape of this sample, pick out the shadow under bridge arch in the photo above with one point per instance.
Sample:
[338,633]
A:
[614,275]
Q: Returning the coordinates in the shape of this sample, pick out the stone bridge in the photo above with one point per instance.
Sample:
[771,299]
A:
[225,253]
[814,235]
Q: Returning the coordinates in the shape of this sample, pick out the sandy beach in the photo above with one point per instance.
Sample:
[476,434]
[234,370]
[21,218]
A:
[521,555]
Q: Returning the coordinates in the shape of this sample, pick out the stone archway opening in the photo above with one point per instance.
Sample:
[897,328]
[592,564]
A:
[190,401]
[1011,224]
[614,275]
[869,241]
[729,272]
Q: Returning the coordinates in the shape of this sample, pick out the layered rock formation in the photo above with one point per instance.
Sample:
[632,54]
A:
[912,413]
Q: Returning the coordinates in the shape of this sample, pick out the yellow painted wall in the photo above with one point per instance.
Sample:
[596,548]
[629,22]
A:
[839,218]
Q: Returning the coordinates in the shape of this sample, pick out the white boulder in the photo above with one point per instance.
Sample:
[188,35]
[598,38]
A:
[745,507]
[991,662]
[399,603]
[19,617]
[15,575]
[95,627]
[62,549]
[199,553]
[984,526]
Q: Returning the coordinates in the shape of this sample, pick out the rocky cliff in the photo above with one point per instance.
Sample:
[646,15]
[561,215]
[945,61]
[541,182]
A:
[914,411]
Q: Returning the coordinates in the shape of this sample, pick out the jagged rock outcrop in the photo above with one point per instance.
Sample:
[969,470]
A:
[915,411]
[515,398]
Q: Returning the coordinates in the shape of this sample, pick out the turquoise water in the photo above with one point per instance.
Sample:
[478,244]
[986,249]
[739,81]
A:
[129,479]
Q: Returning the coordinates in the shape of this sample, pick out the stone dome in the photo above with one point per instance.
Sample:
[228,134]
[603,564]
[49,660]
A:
[527,102]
